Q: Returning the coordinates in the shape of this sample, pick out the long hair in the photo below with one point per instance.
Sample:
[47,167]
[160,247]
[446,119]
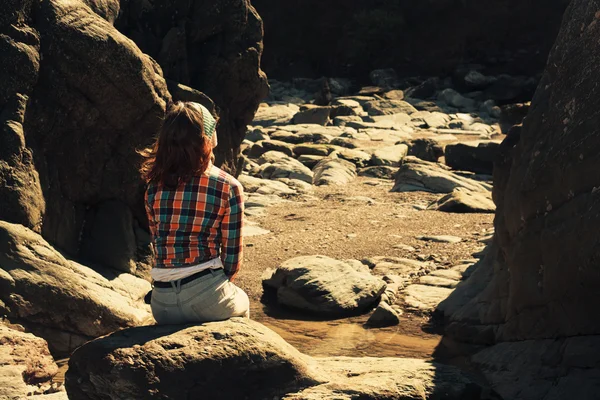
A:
[182,149]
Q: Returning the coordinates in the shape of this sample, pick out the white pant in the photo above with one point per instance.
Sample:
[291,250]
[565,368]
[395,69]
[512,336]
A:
[211,297]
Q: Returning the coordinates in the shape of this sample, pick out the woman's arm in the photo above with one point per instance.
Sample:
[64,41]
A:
[231,231]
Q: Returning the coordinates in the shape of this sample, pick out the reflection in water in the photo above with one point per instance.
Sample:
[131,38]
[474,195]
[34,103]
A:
[347,337]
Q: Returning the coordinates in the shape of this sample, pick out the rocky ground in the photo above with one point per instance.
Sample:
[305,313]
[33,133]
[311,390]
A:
[369,178]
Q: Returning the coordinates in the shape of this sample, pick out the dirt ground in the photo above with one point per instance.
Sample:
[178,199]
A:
[336,225]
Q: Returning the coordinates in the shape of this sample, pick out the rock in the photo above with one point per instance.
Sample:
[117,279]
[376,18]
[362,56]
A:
[44,291]
[70,133]
[441,239]
[303,137]
[276,165]
[139,362]
[384,315]
[389,135]
[455,99]
[424,298]
[313,149]
[313,115]
[475,157]
[309,160]
[464,201]
[328,131]
[178,39]
[395,94]
[277,114]
[25,364]
[477,81]
[397,266]
[425,149]
[333,171]
[256,135]
[390,156]
[275,145]
[417,175]
[427,119]
[324,286]
[356,157]
[438,281]
[109,239]
[451,274]
[387,107]
[512,114]
[388,121]
[381,172]
[385,78]
[345,120]
[264,186]
[343,142]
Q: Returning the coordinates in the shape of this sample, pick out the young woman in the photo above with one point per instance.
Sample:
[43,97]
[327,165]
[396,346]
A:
[195,212]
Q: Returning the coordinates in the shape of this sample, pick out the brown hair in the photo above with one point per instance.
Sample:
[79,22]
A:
[182,149]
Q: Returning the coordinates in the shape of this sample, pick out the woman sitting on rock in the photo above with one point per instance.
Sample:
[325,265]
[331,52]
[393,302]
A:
[195,212]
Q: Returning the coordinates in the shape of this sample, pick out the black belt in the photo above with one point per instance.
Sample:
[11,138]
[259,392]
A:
[184,280]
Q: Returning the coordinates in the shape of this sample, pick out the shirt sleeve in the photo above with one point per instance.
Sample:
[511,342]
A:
[231,231]
[150,215]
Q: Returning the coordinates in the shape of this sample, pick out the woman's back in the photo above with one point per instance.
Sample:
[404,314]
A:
[191,222]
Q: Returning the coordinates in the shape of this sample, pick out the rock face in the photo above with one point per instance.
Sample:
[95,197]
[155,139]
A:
[25,363]
[77,98]
[477,157]
[537,289]
[324,286]
[212,46]
[61,300]
[362,34]
[199,361]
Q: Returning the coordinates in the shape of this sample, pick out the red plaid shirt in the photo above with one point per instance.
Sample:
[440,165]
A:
[198,221]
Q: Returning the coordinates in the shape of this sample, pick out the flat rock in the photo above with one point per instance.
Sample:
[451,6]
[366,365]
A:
[465,201]
[309,160]
[198,362]
[402,267]
[441,239]
[380,171]
[357,157]
[333,171]
[313,115]
[438,281]
[389,135]
[278,114]
[423,297]
[303,137]
[313,149]
[418,175]
[387,107]
[323,286]
[47,293]
[256,135]
[390,156]
[427,149]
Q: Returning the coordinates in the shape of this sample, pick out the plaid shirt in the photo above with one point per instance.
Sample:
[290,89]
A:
[200,220]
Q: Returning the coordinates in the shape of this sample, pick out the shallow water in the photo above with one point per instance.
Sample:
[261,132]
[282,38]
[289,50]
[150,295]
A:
[348,336]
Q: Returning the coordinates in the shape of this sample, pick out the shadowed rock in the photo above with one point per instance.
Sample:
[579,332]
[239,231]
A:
[199,362]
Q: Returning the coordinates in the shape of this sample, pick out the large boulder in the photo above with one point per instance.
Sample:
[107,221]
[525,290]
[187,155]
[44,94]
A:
[26,366]
[419,175]
[324,286]
[78,98]
[333,171]
[536,297]
[212,46]
[60,300]
[199,362]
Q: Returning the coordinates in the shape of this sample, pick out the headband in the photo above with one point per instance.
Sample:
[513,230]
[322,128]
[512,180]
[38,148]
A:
[209,121]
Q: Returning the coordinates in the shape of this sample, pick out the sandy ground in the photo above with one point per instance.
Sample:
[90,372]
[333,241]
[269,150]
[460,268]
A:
[334,225]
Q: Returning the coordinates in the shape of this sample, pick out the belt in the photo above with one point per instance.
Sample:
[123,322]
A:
[184,280]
